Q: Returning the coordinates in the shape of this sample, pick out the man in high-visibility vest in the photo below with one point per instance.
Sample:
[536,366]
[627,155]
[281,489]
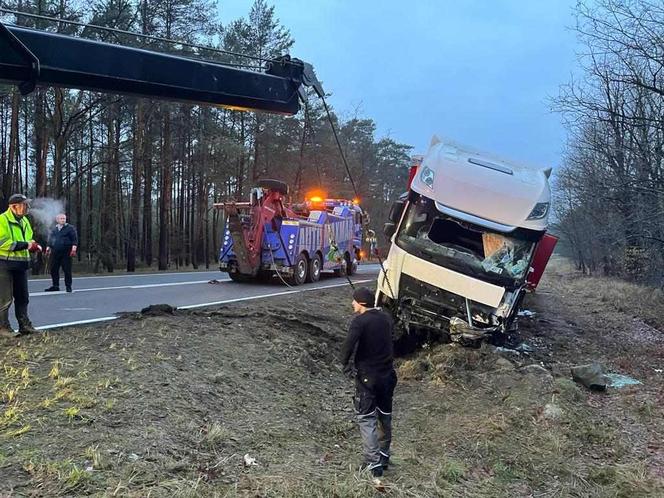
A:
[16,244]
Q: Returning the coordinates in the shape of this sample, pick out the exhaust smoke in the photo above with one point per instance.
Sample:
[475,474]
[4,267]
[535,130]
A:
[43,211]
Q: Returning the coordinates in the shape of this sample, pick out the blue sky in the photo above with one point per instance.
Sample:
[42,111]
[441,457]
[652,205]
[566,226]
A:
[478,71]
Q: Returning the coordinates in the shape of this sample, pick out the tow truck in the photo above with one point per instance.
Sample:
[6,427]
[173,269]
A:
[266,236]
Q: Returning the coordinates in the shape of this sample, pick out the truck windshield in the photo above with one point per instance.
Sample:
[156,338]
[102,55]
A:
[469,249]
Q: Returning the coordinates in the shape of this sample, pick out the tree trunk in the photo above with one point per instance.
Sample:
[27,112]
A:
[165,199]
[137,174]
[41,144]
[60,142]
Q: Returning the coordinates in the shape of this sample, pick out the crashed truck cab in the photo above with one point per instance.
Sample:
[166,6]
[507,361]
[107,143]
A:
[467,240]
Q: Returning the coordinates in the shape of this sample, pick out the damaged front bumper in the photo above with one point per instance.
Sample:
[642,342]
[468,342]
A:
[463,332]
[423,306]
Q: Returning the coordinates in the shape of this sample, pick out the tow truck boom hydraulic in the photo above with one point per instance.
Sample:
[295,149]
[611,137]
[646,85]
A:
[29,58]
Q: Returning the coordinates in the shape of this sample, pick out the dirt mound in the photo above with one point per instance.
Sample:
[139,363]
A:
[158,310]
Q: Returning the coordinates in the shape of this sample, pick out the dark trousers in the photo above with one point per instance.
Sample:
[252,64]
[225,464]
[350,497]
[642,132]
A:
[60,259]
[14,286]
[373,405]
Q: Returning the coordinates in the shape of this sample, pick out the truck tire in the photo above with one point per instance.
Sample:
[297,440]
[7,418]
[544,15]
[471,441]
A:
[315,267]
[240,277]
[300,270]
[276,185]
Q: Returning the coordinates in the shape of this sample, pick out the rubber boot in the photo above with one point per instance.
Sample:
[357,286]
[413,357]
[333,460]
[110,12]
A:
[24,324]
[5,327]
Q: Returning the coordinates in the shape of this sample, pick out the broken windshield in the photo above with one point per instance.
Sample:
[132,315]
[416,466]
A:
[469,249]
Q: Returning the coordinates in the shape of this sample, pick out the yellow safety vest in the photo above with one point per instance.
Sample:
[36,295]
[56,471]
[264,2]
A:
[11,232]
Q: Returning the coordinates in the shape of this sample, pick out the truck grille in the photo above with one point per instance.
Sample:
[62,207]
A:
[430,298]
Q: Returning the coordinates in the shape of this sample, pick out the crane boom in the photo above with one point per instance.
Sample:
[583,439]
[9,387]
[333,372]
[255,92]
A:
[30,58]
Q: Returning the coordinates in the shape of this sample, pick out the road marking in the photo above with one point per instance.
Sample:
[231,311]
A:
[149,286]
[191,306]
[154,274]
[144,286]
[249,298]
[80,322]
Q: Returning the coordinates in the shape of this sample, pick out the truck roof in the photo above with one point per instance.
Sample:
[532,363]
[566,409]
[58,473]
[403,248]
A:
[483,188]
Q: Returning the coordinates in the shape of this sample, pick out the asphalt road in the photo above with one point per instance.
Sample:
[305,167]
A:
[100,298]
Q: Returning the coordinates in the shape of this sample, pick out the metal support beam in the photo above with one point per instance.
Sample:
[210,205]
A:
[29,57]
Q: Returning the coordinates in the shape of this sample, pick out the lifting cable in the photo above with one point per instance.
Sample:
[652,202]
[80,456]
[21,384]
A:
[352,182]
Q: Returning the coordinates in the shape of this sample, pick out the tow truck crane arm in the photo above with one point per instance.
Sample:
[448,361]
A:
[29,58]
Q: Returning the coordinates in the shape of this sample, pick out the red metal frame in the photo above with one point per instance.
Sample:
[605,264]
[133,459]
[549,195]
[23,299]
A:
[543,252]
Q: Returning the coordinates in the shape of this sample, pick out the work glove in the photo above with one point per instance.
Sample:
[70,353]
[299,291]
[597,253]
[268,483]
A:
[72,253]
[34,247]
[48,251]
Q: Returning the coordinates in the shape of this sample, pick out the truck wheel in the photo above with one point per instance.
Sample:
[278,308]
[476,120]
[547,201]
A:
[315,266]
[300,270]
[276,185]
[240,277]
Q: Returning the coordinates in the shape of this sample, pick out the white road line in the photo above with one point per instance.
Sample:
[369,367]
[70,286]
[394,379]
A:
[80,322]
[191,306]
[145,286]
[132,275]
[227,301]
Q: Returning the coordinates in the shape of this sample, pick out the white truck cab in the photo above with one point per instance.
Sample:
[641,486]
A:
[467,240]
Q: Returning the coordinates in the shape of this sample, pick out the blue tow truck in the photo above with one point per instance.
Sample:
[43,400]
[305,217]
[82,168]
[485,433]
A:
[265,237]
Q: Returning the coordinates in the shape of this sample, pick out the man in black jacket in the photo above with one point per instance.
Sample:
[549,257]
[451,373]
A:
[370,338]
[62,246]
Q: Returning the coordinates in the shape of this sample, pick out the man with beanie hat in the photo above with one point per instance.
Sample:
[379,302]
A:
[370,338]
[16,244]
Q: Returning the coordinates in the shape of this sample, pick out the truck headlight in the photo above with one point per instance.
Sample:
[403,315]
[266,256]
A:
[427,176]
[540,210]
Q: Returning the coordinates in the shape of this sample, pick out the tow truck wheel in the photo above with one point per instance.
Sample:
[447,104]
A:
[239,277]
[315,266]
[300,270]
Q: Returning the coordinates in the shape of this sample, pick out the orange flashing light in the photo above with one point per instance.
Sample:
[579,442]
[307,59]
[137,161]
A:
[316,199]
[356,201]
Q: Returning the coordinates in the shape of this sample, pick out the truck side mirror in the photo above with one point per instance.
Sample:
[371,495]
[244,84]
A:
[396,210]
[389,228]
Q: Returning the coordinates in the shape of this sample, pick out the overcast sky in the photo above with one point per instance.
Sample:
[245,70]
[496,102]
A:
[478,71]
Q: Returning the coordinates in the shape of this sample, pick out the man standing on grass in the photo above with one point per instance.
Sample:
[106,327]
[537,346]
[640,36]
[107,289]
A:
[62,246]
[370,338]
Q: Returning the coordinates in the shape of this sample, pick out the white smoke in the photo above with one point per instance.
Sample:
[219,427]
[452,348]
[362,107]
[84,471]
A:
[43,211]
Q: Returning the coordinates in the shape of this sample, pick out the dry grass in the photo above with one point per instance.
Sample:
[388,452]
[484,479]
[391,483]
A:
[644,302]
[178,422]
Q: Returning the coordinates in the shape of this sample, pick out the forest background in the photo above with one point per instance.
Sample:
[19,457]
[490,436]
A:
[139,177]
